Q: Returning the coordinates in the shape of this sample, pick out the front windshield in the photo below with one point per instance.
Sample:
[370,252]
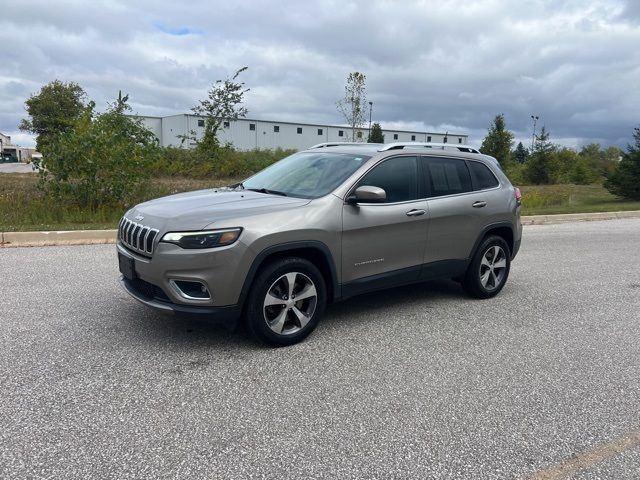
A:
[306,174]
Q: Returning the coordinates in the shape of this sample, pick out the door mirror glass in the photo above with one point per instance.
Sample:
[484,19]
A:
[368,194]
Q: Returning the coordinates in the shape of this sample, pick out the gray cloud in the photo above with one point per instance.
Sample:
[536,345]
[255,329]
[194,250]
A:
[436,65]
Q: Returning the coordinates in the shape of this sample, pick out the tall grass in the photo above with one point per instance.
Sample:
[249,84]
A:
[223,163]
[24,207]
[550,199]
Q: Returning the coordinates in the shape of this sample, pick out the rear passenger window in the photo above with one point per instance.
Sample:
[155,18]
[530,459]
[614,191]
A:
[446,176]
[398,177]
[483,178]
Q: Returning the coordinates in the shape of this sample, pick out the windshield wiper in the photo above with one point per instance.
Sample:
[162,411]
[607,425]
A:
[264,190]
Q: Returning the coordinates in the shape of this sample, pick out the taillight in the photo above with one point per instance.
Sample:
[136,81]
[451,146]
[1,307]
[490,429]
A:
[518,195]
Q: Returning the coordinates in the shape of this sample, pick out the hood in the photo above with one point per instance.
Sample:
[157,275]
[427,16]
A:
[196,210]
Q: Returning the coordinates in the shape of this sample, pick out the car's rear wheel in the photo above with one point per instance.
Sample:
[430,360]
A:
[286,301]
[489,268]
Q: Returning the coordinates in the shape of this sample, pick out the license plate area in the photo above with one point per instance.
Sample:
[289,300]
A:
[127,266]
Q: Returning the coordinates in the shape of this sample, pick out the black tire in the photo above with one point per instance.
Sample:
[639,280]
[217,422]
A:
[272,278]
[480,272]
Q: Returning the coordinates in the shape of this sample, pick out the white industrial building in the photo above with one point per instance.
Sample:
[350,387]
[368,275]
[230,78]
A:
[248,134]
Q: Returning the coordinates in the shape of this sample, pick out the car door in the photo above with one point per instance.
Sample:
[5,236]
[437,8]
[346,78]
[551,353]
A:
[385,242]
[454,212]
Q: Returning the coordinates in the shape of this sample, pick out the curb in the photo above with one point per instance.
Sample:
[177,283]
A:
[94,237]
[577,217]
[65,237]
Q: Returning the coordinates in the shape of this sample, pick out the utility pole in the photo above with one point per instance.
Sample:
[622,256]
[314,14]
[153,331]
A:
[370,109]
[533,137]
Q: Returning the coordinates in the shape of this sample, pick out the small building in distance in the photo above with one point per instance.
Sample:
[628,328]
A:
[15,153]
[250,134]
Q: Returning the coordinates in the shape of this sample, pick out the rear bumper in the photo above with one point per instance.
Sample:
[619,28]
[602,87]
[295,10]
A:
[144,293]
[516,248]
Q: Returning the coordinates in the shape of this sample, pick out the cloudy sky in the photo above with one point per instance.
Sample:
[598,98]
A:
[435,65]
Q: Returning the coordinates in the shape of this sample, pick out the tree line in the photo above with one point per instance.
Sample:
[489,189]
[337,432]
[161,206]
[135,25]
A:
[106,158]
[548,163]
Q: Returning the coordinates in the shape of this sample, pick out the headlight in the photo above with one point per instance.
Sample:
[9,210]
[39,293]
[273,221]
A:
[204,238]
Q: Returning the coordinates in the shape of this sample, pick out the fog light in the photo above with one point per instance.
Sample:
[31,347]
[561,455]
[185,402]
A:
[191,290]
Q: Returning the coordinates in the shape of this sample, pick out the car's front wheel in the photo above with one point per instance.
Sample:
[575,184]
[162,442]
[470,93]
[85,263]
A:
[286,301]
[489,268]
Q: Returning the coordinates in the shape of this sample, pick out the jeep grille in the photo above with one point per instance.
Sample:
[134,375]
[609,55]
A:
[137,237]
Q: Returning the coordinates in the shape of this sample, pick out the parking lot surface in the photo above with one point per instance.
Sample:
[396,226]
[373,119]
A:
[16,168]
[415,382]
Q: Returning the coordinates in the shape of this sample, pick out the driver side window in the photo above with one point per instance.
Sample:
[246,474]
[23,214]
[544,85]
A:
[398,177]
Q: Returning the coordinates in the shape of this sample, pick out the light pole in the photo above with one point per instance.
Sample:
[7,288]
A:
[370,109]
[533,137]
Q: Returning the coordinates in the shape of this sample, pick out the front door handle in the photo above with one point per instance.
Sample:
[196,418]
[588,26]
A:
[479,204]
[415,213]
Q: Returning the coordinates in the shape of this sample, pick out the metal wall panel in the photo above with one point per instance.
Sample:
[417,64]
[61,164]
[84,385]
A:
[264,136]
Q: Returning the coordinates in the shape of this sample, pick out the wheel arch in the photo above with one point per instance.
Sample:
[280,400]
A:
[500,229]
[314,251]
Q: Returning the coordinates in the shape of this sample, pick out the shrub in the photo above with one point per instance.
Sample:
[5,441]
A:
[102,160]
[625,179]
[224,162]
[516,172]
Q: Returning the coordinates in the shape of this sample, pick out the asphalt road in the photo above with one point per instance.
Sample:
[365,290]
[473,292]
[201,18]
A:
[416,382]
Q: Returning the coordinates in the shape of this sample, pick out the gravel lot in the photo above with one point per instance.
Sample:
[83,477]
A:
[416,382]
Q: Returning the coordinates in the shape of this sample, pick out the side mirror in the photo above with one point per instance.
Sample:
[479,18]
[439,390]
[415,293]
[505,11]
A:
[368,194]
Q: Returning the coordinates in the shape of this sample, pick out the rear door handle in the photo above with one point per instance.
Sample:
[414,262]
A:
[479,204]
[415,213]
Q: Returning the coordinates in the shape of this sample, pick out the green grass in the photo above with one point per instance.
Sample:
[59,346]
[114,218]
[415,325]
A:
[23,207]
[550,199]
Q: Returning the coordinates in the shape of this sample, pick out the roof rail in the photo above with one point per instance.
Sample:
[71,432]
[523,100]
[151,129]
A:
[340,144]
[439,146]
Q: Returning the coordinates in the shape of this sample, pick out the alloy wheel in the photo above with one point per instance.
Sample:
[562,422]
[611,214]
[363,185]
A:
[493,267]
[290,303]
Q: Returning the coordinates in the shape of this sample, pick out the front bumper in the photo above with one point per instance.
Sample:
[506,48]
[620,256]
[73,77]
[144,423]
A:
[222,271]
[145,295]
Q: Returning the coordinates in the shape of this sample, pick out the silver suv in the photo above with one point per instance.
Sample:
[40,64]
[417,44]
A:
[322,225]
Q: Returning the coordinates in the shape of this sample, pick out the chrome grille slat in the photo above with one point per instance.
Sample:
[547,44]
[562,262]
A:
[152,236]
[127,235]
[136,236]
[146,236]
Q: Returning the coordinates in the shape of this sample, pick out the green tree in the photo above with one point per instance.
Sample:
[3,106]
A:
[602,162]
[567,166]
[376,136]
[498,141]
[223,104]
[625,179]
[539,165]
[53,111]
[353,105]
[520,154]
[101,160]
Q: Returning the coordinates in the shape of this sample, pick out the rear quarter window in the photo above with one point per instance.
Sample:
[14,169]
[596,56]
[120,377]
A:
[483,178]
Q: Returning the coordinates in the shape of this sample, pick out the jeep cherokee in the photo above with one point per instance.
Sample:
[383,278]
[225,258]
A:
[319,226]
